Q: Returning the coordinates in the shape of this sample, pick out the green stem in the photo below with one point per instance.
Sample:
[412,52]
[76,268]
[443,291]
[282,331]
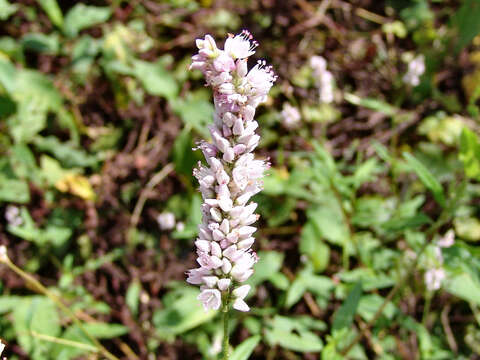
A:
[426,307]
[225,330]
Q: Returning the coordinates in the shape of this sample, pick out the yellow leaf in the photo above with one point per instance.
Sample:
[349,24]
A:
[77,185]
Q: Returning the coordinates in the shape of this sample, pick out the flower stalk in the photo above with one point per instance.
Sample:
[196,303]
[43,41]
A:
[232,175]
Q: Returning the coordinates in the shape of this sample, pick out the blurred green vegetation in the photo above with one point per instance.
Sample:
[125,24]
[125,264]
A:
[99,115]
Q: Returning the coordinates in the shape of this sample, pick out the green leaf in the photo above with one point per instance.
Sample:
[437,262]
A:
[343,317]
[102,330]
[329,221]
[195,112]
[7,9]
[270,262]
[293,334]
[8,76]
[8,303]
[182,312]
[317,284]
[312,246]
[12,190]
[53,11]
[36,314]
[68,154]
[404,223]
[464,286]
[295,292]
[132,298]
[245,349]
[183,155]
[426,177]
[373,104]
[155,79]
[470,153]
[48,44]
[369,305]
[466,20]
[83,16]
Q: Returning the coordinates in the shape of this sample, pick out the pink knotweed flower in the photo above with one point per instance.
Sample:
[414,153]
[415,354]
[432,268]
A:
[231,175]
[323,79]
[291,118]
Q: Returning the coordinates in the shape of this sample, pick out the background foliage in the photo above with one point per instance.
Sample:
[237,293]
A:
[98,118]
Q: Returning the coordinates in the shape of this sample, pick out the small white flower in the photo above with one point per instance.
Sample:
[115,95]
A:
[216,347]
[12,215]
[180,226]
[166,220]
[447,240]
[240,46]
[290,116]
[2,347]
[323,79]
[211,299]
[434,278]
[416,68]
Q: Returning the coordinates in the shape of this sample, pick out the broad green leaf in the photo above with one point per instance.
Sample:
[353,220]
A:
[426,177]
[36,314]
[312,246]
[53,11]
[403,223]
[292,334]
[182,312]
[83,16]
[369,305]
[8,303]
[7,9]
[317,284]
[68,154]
[269,263]
[23,163]
[12,190]
[464,286]
[470,153]
[48,44]
[155,79]
[467,228]
[343,317]
[295,292]
[466,20]
[35,95]
[245,349]
[329,221]
[8,76]
[195,112]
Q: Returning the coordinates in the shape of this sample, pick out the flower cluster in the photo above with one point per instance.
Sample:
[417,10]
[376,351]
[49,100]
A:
[323,79]
[290,116]
[416,68]
[232,175]
[435,275]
